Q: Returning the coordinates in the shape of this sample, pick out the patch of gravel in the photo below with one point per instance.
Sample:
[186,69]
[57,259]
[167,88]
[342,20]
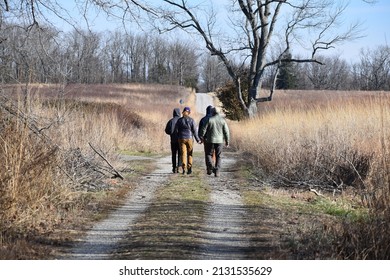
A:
[225,236]
[101,241]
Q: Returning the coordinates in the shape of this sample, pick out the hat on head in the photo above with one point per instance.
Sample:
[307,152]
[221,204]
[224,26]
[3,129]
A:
[187,109]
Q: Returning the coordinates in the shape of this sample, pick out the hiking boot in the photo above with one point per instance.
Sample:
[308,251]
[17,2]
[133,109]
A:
[189,170]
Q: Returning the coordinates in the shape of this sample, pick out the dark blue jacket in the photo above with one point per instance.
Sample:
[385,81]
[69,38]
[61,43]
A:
[170,127]
[185,128]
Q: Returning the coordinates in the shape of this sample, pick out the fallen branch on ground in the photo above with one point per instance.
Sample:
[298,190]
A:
[115,172]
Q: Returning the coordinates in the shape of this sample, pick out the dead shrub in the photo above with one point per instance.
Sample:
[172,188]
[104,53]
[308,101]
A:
[27,185]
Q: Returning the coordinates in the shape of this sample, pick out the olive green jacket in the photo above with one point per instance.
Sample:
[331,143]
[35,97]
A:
[215,130]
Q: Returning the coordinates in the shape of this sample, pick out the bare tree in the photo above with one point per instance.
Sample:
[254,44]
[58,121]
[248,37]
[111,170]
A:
[183,64]
[257,29]
[114,50]
[83,53]
[333,74]
[213,73]
[40,12]
[373,70]
[136,48]
[249,37]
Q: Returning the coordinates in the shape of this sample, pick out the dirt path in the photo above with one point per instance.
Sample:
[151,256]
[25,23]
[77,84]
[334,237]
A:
[152,226]
[102,239]
[148,226]
[225,233]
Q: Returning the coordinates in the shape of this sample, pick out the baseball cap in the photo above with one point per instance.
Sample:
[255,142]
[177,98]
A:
[186,109]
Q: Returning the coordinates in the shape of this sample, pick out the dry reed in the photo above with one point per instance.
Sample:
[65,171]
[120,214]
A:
[45,142]
[334,141]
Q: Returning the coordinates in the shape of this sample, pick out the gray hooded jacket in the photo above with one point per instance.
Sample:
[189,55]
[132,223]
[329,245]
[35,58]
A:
[215,130]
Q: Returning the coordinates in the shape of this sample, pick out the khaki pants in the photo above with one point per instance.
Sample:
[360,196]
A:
[186,149]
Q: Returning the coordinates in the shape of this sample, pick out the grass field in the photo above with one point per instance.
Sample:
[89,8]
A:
[49,170]
[328,142]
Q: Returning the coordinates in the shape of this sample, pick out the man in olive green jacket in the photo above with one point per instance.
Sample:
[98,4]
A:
[214,134]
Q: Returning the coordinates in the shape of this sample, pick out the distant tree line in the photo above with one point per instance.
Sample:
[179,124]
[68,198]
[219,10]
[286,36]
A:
[371,71]
[46,55]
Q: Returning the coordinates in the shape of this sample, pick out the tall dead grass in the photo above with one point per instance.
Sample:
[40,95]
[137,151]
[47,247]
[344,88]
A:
[29,191]
[123,116]
[46,138]
[334,141]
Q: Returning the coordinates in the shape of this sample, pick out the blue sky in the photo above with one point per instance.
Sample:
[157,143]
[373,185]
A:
[375,21]
[376,24]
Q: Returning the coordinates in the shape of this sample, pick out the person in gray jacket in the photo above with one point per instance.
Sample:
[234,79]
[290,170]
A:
[203,121]
[214,134]
[185,129]
[175,150]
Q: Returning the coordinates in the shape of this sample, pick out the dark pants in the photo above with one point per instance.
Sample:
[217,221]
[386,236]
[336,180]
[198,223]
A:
[175,150]
[210,149]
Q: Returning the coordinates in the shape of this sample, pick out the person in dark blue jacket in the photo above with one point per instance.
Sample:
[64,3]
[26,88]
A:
[175,149]
[185,128]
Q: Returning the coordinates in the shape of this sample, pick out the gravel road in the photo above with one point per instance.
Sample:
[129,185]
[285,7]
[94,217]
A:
[101,240]
[224,236]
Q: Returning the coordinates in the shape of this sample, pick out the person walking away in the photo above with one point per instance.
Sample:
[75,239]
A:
[214,134]
[202,123]
[185,129]
[175,149]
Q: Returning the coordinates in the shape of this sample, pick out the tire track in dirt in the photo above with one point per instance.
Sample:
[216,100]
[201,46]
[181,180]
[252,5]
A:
[101,241]
[224,233]
[146,228]
[225,236]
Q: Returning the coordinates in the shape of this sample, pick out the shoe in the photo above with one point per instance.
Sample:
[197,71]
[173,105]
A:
[189,171]
[216,173]
[209,171]
[177,170]
[184,171]
[174,170]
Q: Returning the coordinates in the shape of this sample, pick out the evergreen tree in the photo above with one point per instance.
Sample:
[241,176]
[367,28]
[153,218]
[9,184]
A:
[287,77]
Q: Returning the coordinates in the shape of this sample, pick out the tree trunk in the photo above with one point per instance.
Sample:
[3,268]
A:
[252,109]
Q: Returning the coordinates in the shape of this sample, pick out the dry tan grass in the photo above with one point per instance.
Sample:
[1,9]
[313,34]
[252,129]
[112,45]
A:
[300,143]
[131,118]
[36,195]
[334,141]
